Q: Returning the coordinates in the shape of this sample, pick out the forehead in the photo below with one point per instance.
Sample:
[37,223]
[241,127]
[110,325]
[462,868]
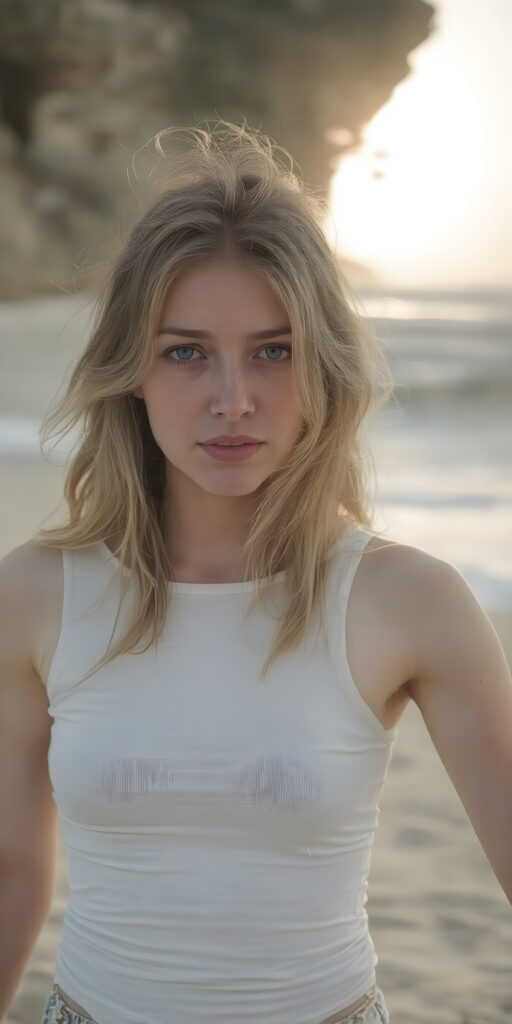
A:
[222,288]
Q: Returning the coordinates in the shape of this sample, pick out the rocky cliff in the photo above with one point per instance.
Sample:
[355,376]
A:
[85,83]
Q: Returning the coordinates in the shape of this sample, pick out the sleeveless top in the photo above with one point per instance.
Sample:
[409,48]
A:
[218,829]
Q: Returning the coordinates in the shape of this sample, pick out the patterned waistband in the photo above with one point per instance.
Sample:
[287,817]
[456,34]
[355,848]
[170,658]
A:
[337,1018]
[344,1017]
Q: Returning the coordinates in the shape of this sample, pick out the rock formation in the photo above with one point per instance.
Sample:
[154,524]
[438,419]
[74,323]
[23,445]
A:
[85,83]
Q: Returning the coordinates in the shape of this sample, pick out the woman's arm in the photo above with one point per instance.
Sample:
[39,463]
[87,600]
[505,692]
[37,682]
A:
[28,815]
[463,688]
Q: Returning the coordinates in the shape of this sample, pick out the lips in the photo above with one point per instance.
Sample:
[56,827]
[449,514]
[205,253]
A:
[234,439]
[232,452]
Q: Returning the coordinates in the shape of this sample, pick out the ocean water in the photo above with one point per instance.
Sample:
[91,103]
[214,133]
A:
[442,448]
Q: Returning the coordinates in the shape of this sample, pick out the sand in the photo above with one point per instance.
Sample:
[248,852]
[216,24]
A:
[441,924]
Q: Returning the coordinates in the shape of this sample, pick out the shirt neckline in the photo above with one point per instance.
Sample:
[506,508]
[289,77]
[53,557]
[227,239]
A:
[207,589]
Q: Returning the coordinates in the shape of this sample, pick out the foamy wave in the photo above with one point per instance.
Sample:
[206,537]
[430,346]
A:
[476,308]
[19,436]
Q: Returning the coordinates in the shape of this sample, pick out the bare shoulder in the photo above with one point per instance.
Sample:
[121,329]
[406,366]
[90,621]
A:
[412,582]
[425,596]
[415,574]
[31,592]
[390,606]
[407,566]
[29,572]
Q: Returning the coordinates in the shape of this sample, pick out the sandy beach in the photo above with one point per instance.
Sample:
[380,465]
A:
[441,925]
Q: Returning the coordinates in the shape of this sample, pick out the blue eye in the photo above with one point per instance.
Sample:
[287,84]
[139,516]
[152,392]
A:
[182,348]
[192,348]
[278,348]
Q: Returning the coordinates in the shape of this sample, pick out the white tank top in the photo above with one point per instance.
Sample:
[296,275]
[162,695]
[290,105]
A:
[218,829]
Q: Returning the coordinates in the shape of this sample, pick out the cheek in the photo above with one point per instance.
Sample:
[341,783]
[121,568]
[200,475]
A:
[291,405]
[165,403]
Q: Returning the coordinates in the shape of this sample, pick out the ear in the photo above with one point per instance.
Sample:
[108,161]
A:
[137,393]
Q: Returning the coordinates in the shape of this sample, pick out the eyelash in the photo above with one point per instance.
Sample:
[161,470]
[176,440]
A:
[187,362]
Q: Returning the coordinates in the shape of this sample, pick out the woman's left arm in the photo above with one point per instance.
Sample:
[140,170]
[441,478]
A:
[463,688]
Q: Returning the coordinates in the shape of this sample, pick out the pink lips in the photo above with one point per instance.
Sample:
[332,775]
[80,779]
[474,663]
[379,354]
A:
[231,453]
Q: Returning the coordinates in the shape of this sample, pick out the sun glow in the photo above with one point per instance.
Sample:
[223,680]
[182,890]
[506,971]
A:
[423,200]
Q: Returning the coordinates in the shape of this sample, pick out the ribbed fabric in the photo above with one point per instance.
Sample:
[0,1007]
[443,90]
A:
[218,830]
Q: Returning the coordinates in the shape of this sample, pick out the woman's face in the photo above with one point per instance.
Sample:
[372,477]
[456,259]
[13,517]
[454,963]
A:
[226,382]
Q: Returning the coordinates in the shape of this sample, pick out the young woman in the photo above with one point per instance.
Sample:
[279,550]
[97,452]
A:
[216,642]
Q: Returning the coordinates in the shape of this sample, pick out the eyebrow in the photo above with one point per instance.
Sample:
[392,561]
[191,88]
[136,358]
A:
[186,332]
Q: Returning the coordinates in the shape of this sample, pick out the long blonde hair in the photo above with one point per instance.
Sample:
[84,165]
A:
[228,192]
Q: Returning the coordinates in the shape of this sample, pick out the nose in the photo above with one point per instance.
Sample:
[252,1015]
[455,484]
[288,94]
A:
[231,392]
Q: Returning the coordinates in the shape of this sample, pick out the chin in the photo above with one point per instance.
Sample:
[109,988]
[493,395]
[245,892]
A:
[236,490]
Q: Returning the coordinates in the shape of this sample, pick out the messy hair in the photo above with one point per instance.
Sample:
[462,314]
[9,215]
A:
[227,192]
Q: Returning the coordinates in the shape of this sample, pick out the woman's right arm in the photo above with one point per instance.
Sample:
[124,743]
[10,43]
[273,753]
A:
[28,815]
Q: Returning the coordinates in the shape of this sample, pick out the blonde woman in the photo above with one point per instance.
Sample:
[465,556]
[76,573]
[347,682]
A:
[204,668]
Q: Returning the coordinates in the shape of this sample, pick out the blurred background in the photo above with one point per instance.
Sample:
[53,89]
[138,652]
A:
[397,110]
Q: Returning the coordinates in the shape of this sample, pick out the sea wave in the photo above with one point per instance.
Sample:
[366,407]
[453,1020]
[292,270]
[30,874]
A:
[474,306]
[19,436]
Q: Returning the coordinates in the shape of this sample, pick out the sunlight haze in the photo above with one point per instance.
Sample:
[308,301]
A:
[427,200]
